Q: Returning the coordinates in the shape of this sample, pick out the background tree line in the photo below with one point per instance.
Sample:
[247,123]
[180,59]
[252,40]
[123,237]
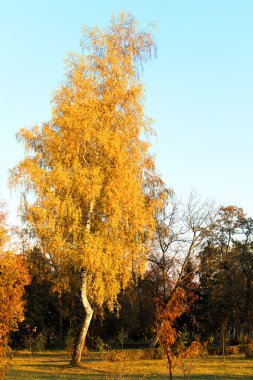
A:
[196,247]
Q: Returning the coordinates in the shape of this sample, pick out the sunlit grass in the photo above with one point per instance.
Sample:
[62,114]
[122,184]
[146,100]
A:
[54,365]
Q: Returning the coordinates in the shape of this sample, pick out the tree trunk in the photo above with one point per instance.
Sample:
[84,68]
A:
[170,368]
[60,326]
[223,340]
[77,354]
[247,324]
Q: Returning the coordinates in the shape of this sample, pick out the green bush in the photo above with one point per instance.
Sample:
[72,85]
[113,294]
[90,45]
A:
[101,345]
[122,337]
[69,343]
[39,342]
[35,341]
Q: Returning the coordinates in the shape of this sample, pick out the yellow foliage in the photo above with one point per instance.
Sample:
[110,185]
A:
[91,177]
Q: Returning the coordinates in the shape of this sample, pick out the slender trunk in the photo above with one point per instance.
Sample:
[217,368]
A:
[60,324]
[247,326]
[223,342]
[77,354]
[164,280]
[170,367]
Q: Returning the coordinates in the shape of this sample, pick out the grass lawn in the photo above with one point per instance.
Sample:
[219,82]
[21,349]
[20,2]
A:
[54,365]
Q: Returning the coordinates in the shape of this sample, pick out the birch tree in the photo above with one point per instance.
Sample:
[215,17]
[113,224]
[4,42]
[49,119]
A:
[91,179]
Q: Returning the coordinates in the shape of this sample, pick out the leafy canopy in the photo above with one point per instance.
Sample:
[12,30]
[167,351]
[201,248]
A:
[93,184]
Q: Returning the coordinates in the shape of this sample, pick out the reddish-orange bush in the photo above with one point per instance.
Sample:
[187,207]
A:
[13,278]
[168,336]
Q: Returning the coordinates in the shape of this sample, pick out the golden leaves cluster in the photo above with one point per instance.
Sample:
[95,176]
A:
[90,167]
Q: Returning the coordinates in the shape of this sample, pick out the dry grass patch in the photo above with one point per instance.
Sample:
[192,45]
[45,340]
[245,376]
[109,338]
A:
[54,365]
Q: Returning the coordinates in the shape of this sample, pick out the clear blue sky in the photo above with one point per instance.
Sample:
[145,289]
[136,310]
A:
[199,90]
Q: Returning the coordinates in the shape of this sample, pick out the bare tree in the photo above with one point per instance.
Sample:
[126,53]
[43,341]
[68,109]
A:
[181,230]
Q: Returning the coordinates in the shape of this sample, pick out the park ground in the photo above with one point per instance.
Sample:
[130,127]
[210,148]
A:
[54,365]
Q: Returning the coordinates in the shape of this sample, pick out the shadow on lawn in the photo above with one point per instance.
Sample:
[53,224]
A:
[54,366]
[216,377]
[16,375]
[34,375]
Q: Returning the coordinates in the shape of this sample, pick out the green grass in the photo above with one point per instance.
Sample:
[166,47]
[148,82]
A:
[54,365]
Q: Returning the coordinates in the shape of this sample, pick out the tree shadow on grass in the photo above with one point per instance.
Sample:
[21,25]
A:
[217,377]
[55,366]
[51,371]
[35,375]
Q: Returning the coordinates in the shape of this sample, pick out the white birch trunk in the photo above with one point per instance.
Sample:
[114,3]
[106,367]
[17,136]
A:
[77,354]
